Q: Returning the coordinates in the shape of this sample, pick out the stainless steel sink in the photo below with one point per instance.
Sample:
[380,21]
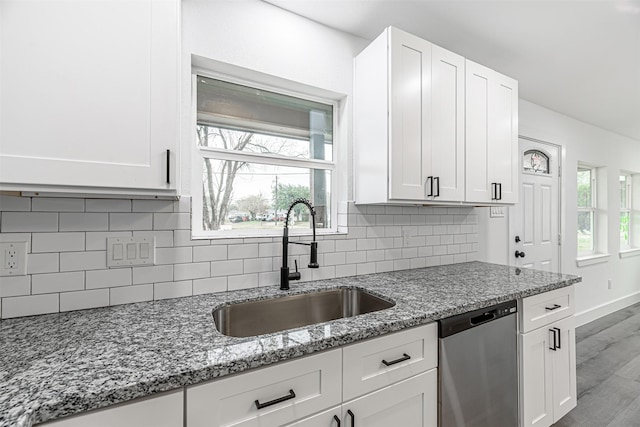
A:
[278,314]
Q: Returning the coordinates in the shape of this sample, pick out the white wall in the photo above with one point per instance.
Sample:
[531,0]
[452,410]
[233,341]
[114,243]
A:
[580,142]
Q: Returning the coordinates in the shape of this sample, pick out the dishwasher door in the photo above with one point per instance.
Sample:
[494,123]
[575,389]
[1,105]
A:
[478,368]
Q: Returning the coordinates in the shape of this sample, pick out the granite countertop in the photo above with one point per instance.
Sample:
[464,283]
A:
[61,364]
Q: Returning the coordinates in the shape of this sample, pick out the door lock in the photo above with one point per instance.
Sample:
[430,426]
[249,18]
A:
[520,254]
[517,239]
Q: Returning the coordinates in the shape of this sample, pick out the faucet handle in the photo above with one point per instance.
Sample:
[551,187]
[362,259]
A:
[295,275]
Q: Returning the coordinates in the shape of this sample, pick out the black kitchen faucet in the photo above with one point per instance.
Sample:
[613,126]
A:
[285,276]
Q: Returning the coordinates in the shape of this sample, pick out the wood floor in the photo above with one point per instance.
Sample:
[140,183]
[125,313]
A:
[608,372]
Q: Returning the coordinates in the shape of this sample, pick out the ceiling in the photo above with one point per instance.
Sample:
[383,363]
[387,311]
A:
[580,58]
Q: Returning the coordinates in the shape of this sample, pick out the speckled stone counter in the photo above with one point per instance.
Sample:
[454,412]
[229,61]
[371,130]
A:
[56,365]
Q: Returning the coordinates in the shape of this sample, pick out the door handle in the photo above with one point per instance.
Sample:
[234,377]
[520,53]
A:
[437,180]
[499,186]
[553,331]
[494,191]
[559,337]
[337,420]
[353,418]
[430,184]
[168,166]
[520,254]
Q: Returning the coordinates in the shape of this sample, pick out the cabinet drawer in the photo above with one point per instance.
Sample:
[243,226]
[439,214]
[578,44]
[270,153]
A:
[406,353]
[543,309]
[315,381]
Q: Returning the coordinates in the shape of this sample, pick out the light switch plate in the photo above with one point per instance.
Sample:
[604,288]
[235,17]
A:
[129,251]
[13,258]
[496,212]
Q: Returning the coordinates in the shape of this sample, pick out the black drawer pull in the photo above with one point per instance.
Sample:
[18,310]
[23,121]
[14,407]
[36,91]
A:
[404,357]
[335,417]
[353,418]
[555,307]
[275,401]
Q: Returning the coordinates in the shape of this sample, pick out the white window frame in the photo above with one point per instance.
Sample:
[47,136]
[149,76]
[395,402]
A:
[593,209]
[628,210]
[200,153]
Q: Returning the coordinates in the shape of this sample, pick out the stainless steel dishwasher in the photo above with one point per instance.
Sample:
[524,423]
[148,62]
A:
[478,368]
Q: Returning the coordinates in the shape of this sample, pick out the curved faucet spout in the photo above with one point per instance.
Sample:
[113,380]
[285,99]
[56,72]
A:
[285,276]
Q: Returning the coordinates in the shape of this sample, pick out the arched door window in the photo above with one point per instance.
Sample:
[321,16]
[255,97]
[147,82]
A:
[535,161]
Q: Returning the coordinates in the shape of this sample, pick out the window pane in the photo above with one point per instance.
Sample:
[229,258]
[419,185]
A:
[275,123]
[584,188]
[535,161]
[253,196]
[624,229]
[585,232]
[623,192]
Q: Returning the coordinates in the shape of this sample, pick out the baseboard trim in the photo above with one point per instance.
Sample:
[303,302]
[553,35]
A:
[601,310]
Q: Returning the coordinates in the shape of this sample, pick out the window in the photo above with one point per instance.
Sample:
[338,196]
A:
[535,161]
[586,210]
[257,151]
[625,212]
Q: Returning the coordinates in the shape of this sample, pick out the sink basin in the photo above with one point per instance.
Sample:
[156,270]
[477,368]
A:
[278,314]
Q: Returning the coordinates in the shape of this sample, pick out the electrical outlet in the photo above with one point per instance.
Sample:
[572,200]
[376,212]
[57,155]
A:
[14,258]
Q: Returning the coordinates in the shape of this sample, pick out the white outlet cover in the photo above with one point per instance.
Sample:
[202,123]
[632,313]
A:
[130,251]
[14,266]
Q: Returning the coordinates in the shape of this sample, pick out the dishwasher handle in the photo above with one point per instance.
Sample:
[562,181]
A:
[484,317]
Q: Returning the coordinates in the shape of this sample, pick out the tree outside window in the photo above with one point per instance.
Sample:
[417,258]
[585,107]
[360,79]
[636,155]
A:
[586,210]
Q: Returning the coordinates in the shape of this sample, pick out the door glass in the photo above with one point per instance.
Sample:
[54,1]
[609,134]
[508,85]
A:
[535,161]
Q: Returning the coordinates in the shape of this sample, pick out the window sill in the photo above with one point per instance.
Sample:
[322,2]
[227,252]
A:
[628,253]
[592,259]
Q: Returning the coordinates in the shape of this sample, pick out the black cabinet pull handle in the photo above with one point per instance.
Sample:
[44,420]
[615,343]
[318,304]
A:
[499,185]
[353,418]
[430,184]
[437,180]
[494,191]
[335,417]
[559,337]
[554,340]
[291,395]
[168,166]
[404,357]
[554,307]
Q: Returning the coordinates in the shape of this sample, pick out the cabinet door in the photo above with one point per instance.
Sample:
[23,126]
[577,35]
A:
[447,124]
[564,369]
[162,411]
[409,403]
[536,383]
[409,115]
[478,177]
[503,136]
[93,105]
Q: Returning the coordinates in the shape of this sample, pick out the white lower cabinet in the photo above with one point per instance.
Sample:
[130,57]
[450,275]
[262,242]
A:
[162,411]
[548,373]
[390,380]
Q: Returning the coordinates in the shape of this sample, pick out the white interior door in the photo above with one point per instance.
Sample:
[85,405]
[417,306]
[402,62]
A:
[535,227]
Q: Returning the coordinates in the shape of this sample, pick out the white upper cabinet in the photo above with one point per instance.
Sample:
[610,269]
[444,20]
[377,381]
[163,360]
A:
[408,121]
[90,96]
[491,136]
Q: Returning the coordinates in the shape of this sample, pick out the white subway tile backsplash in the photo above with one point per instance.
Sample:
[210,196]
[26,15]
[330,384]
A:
[171,221]
[57,204]
[81,300]
[66,263]
[15,204]
[57,242]
[108,278]
[28,222]
[209,285]
[97,240]
[43,263]
[167,290]
[71,221]
[243,281]
[209,253]
[198,270]
[226,268]
[57,282]
[107,205]
[15,286]
[30,305]
[154,274]
[152,206]
[78,261]
[174,255]
[130,221]
[129,294]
